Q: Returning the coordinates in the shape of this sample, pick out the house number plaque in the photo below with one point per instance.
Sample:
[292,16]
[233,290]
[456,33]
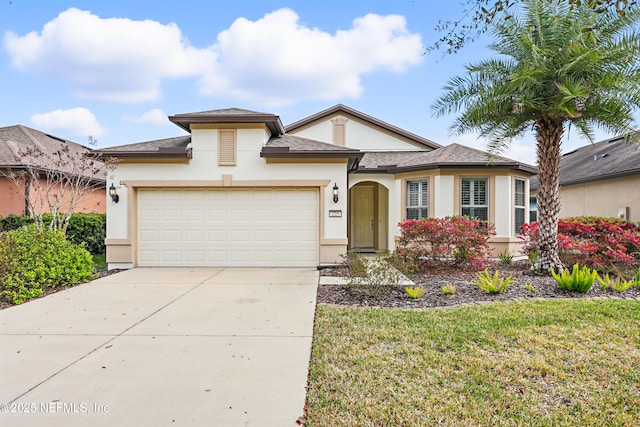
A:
[335,214]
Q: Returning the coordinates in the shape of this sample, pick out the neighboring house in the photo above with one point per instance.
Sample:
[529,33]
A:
[22,147]
[243,190]
[600,179]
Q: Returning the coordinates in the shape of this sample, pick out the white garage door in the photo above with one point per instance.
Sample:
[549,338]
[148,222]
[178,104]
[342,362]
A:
[224,227]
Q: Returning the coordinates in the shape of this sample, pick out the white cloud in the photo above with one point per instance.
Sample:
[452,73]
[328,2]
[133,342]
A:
[274,60]
[277,61]
[155,117]
[112,59]
[77,122]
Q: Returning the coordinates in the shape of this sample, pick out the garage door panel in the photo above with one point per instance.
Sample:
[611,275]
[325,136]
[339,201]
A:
[169,256]
[194,236]
[171,236]
[228,227]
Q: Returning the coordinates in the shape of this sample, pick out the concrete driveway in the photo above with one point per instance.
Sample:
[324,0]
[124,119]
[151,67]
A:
[155,347]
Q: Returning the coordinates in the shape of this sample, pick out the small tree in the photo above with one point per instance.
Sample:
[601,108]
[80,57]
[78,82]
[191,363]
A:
[55,181]
[550,75]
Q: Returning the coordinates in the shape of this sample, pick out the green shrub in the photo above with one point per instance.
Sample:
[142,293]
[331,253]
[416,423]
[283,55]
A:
[373,278]
[414,292]
[355,264]
[87,228]
[505,257]
[579,280]
[618,284]
[449,289]
[492,284]
[90,229]
[12,222]
[33,261]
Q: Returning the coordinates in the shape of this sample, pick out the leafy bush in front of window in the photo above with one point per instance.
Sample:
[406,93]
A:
[605,244]
[34,261]
[445,242]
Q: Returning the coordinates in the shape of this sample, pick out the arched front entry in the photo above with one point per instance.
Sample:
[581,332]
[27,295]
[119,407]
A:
[368,217]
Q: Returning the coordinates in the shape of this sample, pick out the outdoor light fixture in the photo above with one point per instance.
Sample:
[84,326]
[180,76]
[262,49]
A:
[335,193]
[114,193]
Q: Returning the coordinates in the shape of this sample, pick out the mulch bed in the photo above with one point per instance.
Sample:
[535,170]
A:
[545,287]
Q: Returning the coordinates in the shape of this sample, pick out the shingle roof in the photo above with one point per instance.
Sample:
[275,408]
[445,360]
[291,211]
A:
[291,146]
[169,148]
[340,108]
[606,159]
[224,112]
[22,146]
[150,146]
[297,143]
[454,155]
[229,115]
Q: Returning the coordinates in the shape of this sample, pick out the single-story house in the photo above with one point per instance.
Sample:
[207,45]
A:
[241,189]
[23,148]
[600,179]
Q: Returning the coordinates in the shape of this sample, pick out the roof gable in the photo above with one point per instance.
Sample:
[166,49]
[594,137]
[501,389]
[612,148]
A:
[341,109]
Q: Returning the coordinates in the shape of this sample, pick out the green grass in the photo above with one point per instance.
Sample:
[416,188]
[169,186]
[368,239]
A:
[99,262]
[530,363]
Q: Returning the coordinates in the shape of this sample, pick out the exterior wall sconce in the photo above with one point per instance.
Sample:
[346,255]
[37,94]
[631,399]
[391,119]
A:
[335,193]
[114,193]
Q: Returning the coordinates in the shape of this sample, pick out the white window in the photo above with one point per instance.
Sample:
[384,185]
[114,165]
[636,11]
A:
[474,195]
[227,147]
[519,203]
[418,199]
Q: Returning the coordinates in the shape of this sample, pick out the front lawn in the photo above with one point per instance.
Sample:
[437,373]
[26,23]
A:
[533,363]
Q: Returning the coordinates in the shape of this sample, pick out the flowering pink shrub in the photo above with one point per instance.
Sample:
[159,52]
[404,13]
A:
[445,242]
[605,244]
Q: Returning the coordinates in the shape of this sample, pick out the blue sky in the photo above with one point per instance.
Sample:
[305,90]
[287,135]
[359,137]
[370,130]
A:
[114,70]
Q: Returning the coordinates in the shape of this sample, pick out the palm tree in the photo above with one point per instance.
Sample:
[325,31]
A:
[557,67]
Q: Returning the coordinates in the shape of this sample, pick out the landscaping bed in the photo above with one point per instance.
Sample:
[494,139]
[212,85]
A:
[465,292]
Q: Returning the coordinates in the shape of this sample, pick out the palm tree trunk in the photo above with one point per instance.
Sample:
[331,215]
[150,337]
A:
[549,133]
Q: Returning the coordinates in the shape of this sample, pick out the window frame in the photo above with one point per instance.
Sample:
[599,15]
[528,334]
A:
[533,210]
[519,207]
[422,207]
[472,206]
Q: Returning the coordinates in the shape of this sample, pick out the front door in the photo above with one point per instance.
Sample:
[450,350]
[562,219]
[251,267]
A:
[363,197]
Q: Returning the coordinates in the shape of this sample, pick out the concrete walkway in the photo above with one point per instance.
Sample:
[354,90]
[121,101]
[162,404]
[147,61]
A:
[156,347]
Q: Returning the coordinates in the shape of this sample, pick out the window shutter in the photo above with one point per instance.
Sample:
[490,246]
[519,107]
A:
[466,192]
[227,148]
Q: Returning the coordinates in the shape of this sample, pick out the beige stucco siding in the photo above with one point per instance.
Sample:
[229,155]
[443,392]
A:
[204,171]
[358,135]
[605,198]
